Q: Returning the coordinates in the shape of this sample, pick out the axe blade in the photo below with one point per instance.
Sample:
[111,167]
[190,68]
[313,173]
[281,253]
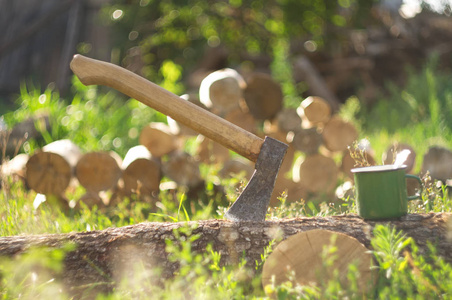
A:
[252,204]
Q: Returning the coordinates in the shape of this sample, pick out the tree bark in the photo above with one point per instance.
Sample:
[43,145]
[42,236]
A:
[99,255]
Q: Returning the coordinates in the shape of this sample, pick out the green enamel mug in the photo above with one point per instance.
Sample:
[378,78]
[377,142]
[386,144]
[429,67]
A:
[381,191]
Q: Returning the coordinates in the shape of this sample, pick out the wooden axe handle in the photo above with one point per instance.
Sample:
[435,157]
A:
[95,72]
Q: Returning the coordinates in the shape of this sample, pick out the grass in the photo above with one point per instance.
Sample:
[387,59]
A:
[416,114]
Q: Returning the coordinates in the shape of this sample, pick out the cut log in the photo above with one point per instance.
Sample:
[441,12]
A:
[285,187]
[183,169]
[338,134]
[222,91]
[92,199]
[65,148]
[15,167]
[288,120]
[317,174]
[180,129]
[263,96]
[31,128]
[317,85]
[307,140]
[158,139]
[101,255]
[50,171]
[97,171]
[242,119]
[438,161]
[211,152]
[286,264]
[235,167]
[402,154]
[314,111]
[141,174]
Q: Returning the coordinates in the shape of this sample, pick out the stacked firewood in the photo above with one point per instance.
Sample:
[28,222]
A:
[323,148]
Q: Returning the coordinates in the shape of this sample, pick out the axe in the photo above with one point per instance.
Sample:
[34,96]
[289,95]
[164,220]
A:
[267,154]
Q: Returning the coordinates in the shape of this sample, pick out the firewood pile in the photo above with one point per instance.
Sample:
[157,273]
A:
[317,159]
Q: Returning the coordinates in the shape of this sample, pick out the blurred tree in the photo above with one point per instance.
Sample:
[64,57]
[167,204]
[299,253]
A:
[149,33]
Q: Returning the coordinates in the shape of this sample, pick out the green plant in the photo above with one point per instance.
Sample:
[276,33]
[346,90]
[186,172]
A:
[404,272]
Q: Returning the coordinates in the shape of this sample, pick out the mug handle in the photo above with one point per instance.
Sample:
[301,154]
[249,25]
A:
[418,196]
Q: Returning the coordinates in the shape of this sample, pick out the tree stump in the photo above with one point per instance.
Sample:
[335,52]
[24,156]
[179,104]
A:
[263,96]
[314,111]
[158,139]
[100,256]
[222,91]
[339,134]
[301,259]
[141,174]
[50,171]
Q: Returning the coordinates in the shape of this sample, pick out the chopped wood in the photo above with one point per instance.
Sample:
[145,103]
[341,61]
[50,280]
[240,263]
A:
[235,167]
[288,120]
[15,167]
[211,152]
[221,91]
[158,139]
[180,129]
[100,256]
[312,267]
[314,111]
[339,134]
[317,174]
[437,162]
[263,96]
[92,199]
[402,154]
[317,85]
[31,128]
[65,148]
[288,189]
[97,171]
[307,140]
[50,171]
[141,173]
[183,169]
[242,119]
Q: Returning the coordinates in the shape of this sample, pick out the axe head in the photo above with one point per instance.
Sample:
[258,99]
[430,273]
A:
[253,202]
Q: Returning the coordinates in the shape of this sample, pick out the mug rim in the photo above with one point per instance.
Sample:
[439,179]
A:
[380,168]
